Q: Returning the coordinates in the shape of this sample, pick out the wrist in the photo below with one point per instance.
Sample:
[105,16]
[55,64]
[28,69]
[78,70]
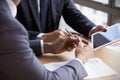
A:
[47,47]
[40,35]
[81,58]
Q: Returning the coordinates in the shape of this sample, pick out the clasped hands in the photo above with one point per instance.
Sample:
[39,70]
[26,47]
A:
[59,41]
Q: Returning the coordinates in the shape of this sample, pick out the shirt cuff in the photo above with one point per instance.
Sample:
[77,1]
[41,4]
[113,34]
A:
[89,35]
[40,35]
[79,60]
[41,42]
[42,46]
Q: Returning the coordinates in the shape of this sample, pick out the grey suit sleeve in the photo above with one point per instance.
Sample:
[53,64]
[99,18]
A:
[18,62]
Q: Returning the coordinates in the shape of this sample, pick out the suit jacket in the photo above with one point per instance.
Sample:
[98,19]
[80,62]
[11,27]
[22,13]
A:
[51,12]
[17,60]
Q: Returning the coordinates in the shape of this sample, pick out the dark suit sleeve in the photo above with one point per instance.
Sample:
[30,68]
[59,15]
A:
[76,19]
[24,16]
[36,46]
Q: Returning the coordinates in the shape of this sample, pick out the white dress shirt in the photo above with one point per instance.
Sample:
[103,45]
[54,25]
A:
[12,7]
[38,6]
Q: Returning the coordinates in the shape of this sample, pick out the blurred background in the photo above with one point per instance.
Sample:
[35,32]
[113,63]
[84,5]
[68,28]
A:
[104,12]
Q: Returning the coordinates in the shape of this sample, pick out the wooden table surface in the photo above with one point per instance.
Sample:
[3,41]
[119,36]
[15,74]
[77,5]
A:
[108,56]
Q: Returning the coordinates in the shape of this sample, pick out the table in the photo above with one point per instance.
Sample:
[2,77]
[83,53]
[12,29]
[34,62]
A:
[109,56]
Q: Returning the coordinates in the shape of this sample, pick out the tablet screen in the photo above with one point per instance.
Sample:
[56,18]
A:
[112,34]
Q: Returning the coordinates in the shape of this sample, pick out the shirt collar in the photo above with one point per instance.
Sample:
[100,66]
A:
[12,7]
[38,1]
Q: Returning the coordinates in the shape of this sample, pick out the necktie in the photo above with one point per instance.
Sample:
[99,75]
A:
[43,14]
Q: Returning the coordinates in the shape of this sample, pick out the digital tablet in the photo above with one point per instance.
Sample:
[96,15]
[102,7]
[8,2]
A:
[101,39]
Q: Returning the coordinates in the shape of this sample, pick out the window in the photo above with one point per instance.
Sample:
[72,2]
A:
[104,12]
[102,1]
[96,16]
[101,11]
[117,3]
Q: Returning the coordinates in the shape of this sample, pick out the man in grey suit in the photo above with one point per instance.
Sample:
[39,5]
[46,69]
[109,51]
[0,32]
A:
[17,60]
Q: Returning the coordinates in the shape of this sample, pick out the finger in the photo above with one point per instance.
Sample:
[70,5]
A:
[71,37]
[61,32]
[102,28]
[81,44]
[70,49]
[90,44]
[85,41]
[91,48]
[64,31]
[78,38]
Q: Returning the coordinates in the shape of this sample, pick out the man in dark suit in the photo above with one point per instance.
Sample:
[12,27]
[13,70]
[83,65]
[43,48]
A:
[46,17]
[18,62]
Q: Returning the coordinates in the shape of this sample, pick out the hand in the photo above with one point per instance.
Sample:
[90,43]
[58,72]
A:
[59,41]
[64,43]
[52,36]
[84,51]
[56,46]
[54,41]
[72,42]
[99,28]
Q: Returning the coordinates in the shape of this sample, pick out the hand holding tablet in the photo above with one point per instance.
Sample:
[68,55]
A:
[101,39]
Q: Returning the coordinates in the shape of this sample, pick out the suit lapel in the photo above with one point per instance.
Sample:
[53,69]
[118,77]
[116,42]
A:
[34,9]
